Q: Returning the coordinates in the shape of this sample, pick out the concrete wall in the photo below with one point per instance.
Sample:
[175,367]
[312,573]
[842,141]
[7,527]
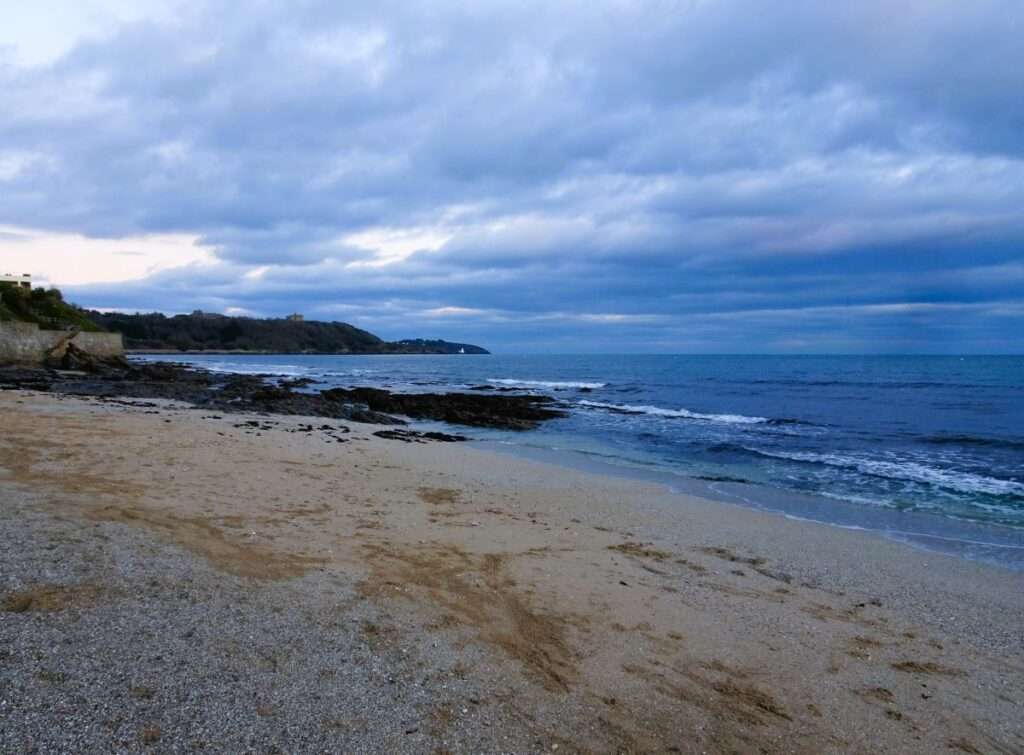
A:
[25,343]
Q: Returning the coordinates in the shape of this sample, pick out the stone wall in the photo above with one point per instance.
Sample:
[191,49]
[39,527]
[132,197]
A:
[100,344]
[25,343]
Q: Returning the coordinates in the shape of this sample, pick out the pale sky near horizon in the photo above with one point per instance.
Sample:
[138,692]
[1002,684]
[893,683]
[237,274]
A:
[647,175]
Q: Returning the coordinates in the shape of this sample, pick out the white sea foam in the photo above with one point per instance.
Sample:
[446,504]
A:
[551,384]
[357,372]
[864,500]
[964,482]
[250,368]
[656,411]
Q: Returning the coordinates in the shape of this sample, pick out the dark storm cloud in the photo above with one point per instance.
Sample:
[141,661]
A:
[706,175]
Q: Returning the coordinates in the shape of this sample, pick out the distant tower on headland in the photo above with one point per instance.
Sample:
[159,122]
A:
[296,317]
[25,281]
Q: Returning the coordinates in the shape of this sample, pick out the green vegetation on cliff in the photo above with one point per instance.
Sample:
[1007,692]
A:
[45,307]
[202,331]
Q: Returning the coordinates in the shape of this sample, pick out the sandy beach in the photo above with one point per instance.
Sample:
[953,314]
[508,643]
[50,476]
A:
[174,580]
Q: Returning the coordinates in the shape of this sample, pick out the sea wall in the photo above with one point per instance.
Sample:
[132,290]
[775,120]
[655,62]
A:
[25,343]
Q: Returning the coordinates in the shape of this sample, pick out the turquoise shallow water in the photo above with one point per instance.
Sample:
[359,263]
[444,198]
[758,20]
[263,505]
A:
[925,449]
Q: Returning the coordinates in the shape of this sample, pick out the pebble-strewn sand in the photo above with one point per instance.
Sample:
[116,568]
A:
[174,581]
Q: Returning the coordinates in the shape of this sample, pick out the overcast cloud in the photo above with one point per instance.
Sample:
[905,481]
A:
[707,175]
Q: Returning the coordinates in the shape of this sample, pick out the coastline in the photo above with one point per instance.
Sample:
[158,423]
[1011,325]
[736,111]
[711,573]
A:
[229,352]
[910,529]
[812,455]
[616,614]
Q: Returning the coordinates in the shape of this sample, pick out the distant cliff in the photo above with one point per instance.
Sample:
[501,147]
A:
[421,346]
[202,331]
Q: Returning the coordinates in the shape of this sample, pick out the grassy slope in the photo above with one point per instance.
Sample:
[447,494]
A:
[46,308]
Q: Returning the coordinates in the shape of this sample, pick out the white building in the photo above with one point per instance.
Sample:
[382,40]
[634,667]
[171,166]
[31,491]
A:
[25,281]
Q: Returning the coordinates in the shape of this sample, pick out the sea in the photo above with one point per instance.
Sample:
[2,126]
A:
[928,450]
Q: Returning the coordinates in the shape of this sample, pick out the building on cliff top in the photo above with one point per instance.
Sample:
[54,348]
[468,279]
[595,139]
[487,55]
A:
[295,317]
[25,281]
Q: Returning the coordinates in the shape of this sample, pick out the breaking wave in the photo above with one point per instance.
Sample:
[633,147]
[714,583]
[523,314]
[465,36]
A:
[550,384]
[910,471]
[655,411]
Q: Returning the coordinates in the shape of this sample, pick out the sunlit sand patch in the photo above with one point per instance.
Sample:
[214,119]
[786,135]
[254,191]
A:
[43,598]
[927,667]
[199,536]
[640,551]
[477,591]
[439,496]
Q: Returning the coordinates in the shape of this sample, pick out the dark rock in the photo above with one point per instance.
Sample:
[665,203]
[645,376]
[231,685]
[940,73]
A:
[414,436]
[360,414]
[293,383]
[254,394]
[14,378]
[516,412]
[444,437]
[77,359]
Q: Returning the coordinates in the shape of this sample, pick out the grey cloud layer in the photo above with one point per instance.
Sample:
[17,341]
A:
[660,172]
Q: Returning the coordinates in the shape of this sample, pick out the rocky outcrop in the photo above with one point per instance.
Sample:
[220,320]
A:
[509,412]
[68,356]
[414,436]
[79,373]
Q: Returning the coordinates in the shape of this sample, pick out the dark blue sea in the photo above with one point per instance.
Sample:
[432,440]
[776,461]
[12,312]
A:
[929,450]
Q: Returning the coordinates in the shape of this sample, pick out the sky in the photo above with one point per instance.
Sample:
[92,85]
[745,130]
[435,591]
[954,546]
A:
[602,176]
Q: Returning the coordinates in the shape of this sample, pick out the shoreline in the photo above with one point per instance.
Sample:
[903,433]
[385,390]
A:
[776,502]
[938,531]
[228,352]
[973,540]
[614,614]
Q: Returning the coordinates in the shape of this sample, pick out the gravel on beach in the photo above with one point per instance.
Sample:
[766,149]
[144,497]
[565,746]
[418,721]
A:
[175,580]
[137,646]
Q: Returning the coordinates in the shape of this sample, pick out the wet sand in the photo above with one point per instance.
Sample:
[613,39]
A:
[430,597]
